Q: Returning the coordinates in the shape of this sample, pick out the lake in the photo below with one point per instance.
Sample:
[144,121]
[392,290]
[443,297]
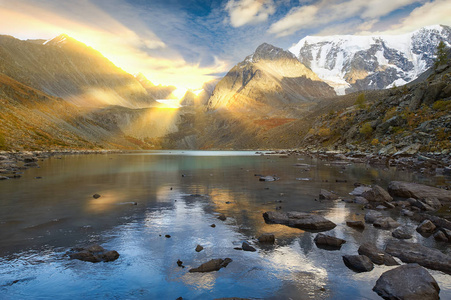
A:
[51,209]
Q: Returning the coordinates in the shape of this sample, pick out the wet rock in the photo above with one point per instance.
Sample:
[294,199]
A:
[356,224]
[301,220]
[372,215]
[96,196]
[360,200]
[402,233]
[31,165]
[199,248]
[385,223]
[94,254]
[376,255]
[440,236]
[416,253]
[406,212]
[377,194]
[3,178]
[407,282]
[212,265]
[213,225]
[447,233]
[222,217]
[417,191]
[179,263]
[326,195]
[269,178]
[328,242]
[426,227]
[246,247]
[381,207]
[167,236]
[267,238]
[358,263]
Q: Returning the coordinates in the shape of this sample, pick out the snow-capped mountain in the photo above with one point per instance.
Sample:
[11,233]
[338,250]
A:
[350,63]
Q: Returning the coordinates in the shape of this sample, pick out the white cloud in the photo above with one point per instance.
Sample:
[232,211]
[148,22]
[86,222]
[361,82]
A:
[242,12]
[326,12]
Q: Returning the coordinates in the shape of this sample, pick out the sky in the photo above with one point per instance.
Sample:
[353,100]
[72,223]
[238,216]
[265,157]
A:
[188,42]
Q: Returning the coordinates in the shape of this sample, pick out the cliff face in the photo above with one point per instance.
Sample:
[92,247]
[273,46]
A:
[66,68]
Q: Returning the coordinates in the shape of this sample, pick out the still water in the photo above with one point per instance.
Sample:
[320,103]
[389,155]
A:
[181,193]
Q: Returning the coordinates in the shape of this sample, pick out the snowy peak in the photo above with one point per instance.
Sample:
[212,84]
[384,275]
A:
[350,63]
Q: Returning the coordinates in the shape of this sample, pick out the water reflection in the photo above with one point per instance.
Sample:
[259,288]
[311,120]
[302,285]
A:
[181,195]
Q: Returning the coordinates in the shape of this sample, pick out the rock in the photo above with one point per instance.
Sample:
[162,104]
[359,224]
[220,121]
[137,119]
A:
[406,212]
[328,242]
[269,178]
[402,233]
[356,224]
[301,220]
[426,227]
[422,255]
[167,236]
[246,247]
[447,233]
[407,282]
[377,256]
[358,191]
[222,217]
[31,165]
[358,263]
[418,191]
[326,195]
[381,207]
[3,178]
[360,200]
[377,194]
[440,236]
[432,202]
[372,216]
[267,238]
[212,265]
[94,254]
[213,225]
[385,223]
[96,196]
[179,263]
[199,248]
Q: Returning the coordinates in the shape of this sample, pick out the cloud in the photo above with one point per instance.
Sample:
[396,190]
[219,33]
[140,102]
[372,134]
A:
[242,12]
[327,12]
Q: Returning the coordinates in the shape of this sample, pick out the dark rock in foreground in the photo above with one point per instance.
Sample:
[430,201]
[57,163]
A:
[212,265]
[356,224]
[328,242]
[422,255]
[267,238]
[417,191]
[94,254]
[377,256]
[407,282]
[299,220]
[246,247]
[358,263]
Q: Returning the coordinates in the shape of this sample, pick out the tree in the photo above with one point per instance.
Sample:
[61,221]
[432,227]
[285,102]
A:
[441,55]
[360,102]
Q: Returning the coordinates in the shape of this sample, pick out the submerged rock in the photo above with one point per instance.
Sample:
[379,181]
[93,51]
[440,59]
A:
[326,195]
[402,233]
[376,255]
[417,191]
[212,265]
[407,282]
[416,253]
[267,238]
[268,178]
[96,196]
[222,217]
[372,215]
[385,223]
[299,220]
[246,247]
[199,248]
[328,242]
[94,254]
[358,263]
[356,224]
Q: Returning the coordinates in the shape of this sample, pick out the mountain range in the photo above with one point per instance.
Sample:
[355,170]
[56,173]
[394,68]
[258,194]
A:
[61,93]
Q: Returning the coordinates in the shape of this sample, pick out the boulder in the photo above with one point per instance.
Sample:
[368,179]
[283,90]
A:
[418,191]
[358,263]
[199,248]
[326,195]
[94,254]
[406,212]
[377,194]
[301,220]
[402,233]
[212,265]
[246,247]
[376,255]
[267,238]
[356,224]
[407,282]
[426,227]
[358,191]
[372,216]
[385,223]
[328,242]
[422,255]
[360,200]
[440,236]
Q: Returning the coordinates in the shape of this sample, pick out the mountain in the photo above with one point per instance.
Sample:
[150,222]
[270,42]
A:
[156,91]
[267,81]
[354,63]
[63,67]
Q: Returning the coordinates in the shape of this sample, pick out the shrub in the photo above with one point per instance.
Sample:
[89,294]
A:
[360,101]
[441,55]
[375,142]
[366,129]
[441,105]
[323,132]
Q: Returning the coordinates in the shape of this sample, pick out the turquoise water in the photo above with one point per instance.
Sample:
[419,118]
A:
[181,193]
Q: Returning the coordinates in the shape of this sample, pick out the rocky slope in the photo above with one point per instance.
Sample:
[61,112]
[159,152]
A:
[355,63]
[266,83]
[66,68]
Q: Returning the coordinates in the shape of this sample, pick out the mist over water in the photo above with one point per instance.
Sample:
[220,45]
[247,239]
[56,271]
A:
[181,193]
